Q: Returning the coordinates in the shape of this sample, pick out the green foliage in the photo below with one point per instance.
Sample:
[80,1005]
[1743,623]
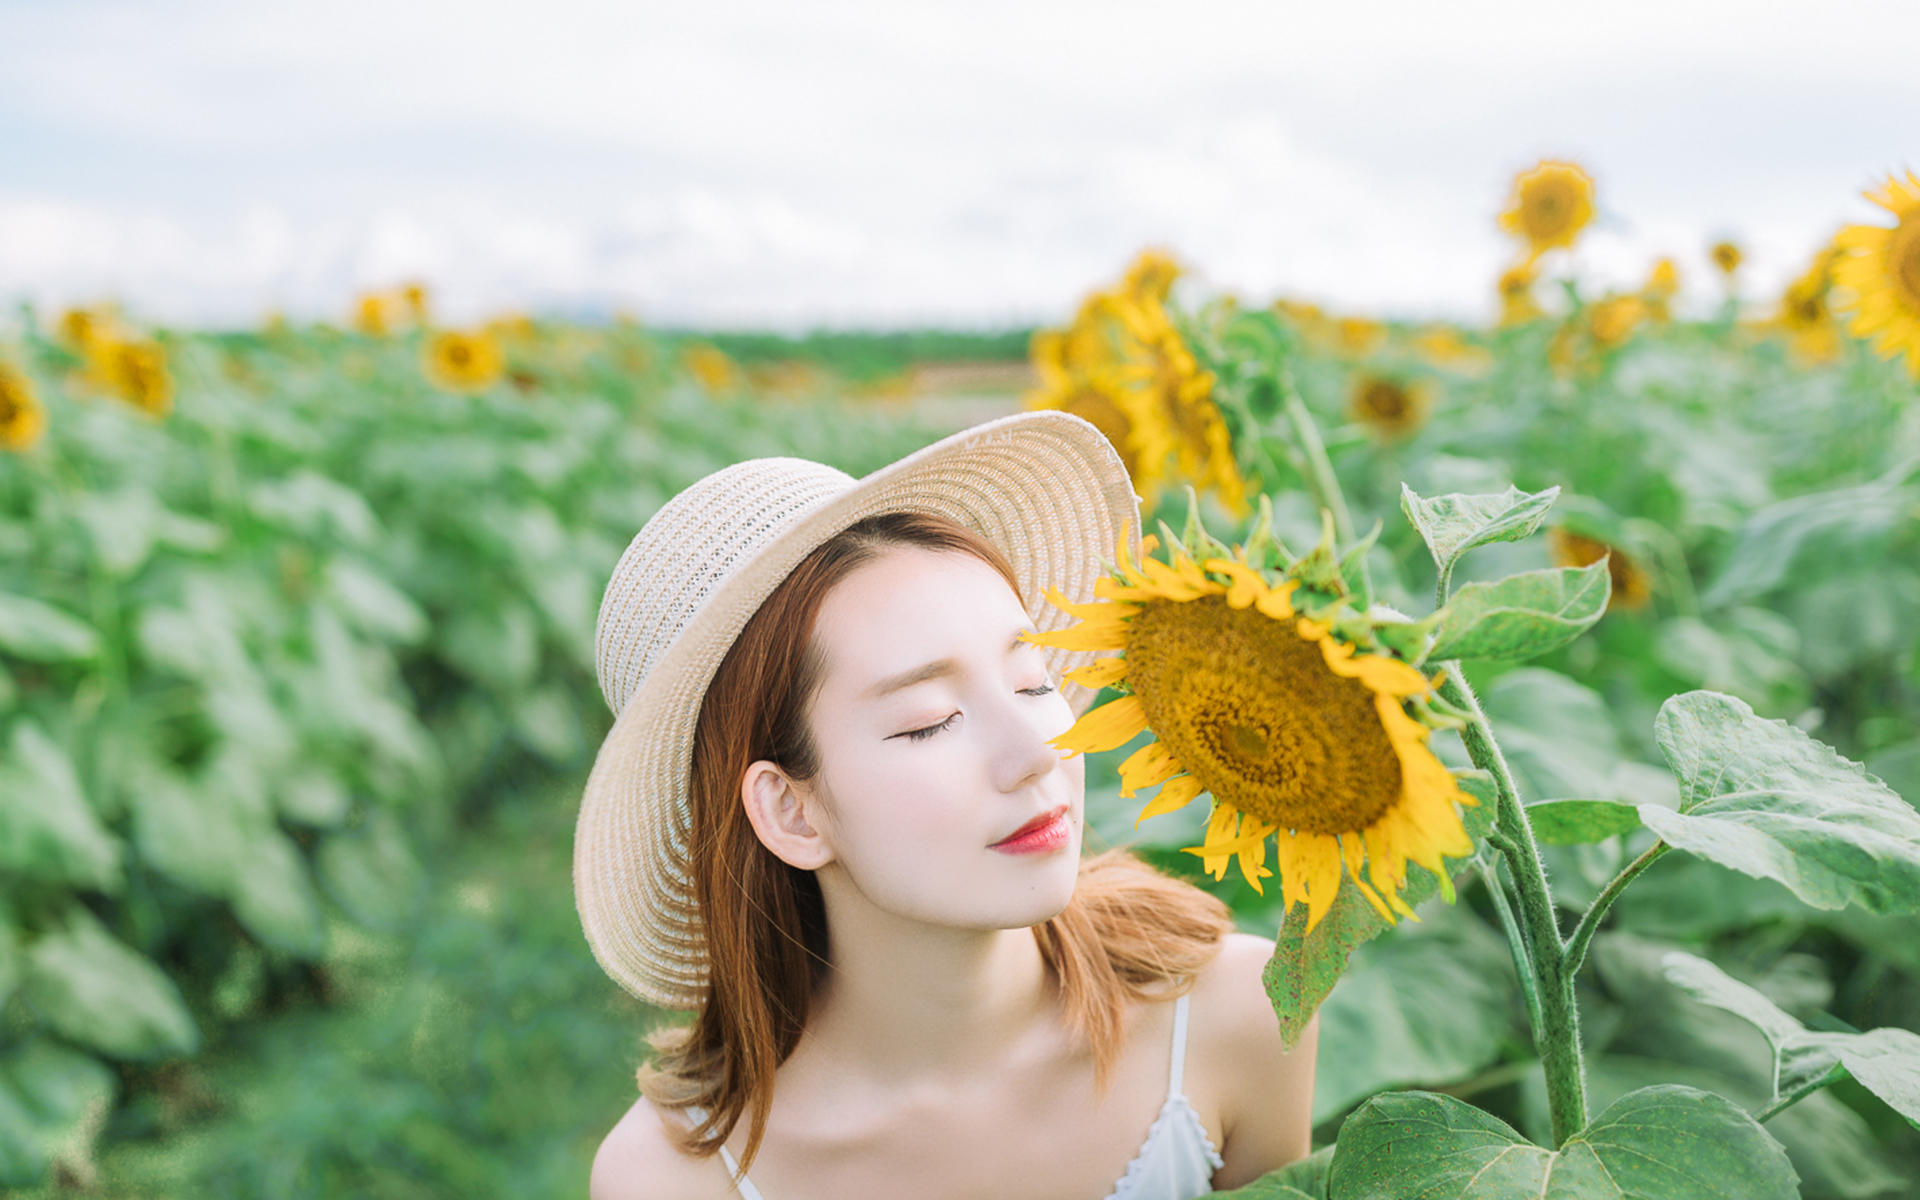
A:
[1659,1143]
[1522,616]
[1764,798]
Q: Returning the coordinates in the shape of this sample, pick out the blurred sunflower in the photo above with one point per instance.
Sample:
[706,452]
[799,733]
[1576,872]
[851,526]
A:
[1610,322]
[1805,313]
[1879,272]
[1073,382]
[463,362]
[1444,347]
[710,366]
[22,419]
[375,314]
[1359,336]
[1727,256]
[136,372]
[1151,276]
[1389,406]
[1657,293]
[414,297]
[1517,305]
[79,329]
[1552,203]
[1631,583]
[1169,399]
[1296,735]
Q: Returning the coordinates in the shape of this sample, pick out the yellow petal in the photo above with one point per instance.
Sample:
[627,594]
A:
[1114,723]
[1176,794]
[1150,764]
[1353,853]
[1100,674]
[1322,856]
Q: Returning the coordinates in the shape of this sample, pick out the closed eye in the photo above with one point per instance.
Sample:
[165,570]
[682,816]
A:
[921,735]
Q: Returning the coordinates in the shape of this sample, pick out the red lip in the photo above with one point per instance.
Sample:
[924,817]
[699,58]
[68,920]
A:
[1044,818]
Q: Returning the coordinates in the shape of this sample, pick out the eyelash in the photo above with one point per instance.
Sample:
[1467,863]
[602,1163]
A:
[921,735]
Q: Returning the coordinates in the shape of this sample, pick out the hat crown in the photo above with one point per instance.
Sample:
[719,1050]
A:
[687,550]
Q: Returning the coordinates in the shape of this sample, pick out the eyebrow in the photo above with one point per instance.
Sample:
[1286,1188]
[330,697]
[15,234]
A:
[926,671]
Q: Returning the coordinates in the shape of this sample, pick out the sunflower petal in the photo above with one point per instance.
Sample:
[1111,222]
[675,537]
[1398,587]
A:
[1176,794]
[1150,764]
[1100,674]
[1114,723]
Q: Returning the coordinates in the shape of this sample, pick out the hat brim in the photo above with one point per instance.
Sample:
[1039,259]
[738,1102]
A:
[1046,488]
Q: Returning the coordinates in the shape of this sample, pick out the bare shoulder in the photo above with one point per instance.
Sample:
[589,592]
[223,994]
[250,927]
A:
[637,1160]
[1257,1077]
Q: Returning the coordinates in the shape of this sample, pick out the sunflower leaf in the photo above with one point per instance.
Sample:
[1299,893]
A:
[31,629]
[1667,1140]
[1581,822]
[1455,523]
[1522,616]
[1305,966]
[1884,1061]
[1762,797]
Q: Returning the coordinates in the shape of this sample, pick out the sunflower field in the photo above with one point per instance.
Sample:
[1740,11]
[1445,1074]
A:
[1548,689]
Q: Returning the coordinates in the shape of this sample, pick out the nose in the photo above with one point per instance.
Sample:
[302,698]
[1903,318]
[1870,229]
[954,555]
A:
[1023,755]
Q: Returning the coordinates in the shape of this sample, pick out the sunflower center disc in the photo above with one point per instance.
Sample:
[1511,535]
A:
[1251,709]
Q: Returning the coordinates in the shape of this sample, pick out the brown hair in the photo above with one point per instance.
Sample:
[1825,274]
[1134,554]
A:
[1128,933]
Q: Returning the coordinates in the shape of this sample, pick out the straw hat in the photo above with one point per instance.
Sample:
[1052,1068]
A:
[1046,488]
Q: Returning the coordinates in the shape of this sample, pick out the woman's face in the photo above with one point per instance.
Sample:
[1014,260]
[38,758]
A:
[932,724]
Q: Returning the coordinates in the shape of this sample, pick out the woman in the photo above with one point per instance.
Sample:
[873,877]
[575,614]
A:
[828,819]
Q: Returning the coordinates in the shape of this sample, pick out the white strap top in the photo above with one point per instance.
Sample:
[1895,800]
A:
[1176,1162]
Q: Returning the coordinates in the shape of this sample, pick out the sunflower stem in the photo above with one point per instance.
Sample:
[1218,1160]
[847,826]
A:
[1516,942]
[1590,920]
[1321,479]
[1556,1032]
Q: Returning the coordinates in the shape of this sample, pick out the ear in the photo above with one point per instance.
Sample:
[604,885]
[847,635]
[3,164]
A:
[783,813]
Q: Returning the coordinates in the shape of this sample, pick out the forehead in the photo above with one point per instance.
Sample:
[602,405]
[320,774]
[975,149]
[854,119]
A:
[909,605]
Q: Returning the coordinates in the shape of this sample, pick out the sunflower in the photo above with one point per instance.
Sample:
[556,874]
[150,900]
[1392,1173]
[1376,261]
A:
[1444,347]
[1631,584]
[1170,401]
[79,329]
[1359,336]
[463,362]
[1805,314]
[1727,256]
[414,296]
[1151,276]
[1294,733]
[374,314]
[22,420]
[136,372]
[1088,390]
[1879,271]
[1610,322]
[1517,305]
[711,367]
[1657,293]
[1552,203]
[1387,405]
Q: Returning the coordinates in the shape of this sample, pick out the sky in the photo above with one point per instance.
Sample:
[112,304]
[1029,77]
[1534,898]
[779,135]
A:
[820,163]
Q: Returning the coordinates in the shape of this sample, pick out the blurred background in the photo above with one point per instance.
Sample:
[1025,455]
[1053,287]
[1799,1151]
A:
[343,348]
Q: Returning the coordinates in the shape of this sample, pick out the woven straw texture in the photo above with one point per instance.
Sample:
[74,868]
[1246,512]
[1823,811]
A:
[1045,487]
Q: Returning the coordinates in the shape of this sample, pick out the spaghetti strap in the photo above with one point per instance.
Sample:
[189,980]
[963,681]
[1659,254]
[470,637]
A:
[1179,1046]
[745,1186]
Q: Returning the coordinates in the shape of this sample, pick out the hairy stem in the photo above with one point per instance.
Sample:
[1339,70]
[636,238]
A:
[1320,477]
[1590,920]
[1516,941]
[1556,1033]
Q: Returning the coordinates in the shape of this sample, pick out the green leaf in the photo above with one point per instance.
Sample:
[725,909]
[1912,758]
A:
[1581,822]
[1455,523]
[43,633]
[274,897]
[48,830]
[1659,1143]
[372,873]
[1523,616]
[1377,1032]
[1305,966]
[1762,797]
[1885,1061]
[1267,1187]
[192,835]
[92,989]
[121,525]
[372,603]
[53,1103]
[1852,518]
